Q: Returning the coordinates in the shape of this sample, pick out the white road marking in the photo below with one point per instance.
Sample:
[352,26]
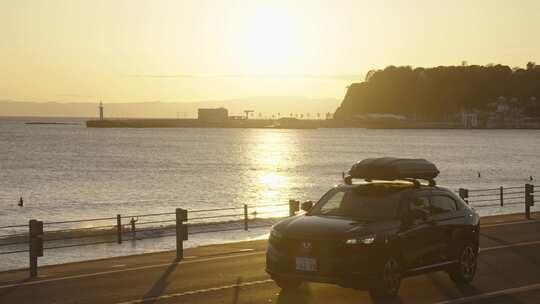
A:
[492,294]
[453,301]
[203,260]
[200,260]
[510,245]
[94,274]
[510,223]
[192,292]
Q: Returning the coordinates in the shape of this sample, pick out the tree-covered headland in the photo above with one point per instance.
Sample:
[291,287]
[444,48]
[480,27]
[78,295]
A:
[441,93]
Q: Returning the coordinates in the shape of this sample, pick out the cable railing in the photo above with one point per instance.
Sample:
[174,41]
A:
[500,197]
[132,227]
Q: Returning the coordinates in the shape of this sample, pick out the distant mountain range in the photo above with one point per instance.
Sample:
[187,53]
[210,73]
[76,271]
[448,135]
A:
[262,107]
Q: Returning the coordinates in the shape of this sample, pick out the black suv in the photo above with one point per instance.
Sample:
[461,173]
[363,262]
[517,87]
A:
[370,235]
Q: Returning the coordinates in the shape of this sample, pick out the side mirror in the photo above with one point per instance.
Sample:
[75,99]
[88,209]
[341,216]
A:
[306,206]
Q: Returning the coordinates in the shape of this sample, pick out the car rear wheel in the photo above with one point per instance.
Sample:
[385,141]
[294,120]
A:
[287,283]
[388,283]
[463,272]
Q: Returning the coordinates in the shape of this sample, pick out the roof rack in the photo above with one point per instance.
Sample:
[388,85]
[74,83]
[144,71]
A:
[393,169]
[347,179]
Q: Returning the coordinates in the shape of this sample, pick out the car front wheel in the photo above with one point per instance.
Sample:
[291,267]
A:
[463,272]
[388,283]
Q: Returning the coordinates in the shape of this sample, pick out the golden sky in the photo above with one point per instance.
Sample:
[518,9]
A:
[183,50]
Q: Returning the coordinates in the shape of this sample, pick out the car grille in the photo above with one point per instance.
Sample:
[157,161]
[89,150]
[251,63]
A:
[314,248]
[326,252]
[333,257]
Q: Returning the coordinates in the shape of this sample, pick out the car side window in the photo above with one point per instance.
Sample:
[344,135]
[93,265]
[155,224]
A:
[420,203]
[442,204]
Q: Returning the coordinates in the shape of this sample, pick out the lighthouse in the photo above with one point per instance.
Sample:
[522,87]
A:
[100,110]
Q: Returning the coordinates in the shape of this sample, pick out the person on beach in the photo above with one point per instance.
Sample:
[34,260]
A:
[21,202]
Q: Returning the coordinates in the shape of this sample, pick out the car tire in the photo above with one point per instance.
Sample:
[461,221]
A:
[287,283]
[388,281]
[463,272]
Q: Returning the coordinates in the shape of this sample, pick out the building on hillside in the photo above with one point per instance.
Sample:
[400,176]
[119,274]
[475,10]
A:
[213,115]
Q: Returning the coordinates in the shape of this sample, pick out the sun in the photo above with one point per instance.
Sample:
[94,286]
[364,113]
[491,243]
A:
[271,36]
[268,40]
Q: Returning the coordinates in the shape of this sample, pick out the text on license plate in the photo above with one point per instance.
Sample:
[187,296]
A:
[306,264]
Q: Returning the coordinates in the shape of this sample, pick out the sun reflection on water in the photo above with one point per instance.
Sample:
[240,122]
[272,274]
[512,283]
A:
[272,157]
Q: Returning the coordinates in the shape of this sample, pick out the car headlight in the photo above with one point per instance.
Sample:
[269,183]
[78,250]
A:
[275,235]
[363,240]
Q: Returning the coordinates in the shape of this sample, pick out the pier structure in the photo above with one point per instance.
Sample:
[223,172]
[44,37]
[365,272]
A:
[206,118]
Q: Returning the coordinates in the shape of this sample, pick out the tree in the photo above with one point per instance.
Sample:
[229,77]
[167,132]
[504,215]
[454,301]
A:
[369,74]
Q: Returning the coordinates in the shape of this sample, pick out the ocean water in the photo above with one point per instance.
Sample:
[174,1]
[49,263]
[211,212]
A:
[72,172]
[67,172]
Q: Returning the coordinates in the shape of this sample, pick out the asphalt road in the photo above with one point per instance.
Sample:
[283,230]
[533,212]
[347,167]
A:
[508,272]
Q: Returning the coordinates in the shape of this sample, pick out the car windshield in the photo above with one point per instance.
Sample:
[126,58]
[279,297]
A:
[358,203]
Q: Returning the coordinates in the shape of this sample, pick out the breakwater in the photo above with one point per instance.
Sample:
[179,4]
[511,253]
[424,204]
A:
[196,123]
[286,124]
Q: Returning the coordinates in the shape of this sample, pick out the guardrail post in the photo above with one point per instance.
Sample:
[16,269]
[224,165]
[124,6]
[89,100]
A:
[181,232]
[119,228]
[464,194]
[245,217]
[133,233]
[501,195]
[529,199]
[36,245]
[294,206]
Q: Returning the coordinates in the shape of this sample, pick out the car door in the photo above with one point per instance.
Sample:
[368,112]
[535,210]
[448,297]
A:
[416,238]
[446,219]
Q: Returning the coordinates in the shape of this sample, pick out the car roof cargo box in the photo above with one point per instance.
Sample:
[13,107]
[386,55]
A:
[389,168]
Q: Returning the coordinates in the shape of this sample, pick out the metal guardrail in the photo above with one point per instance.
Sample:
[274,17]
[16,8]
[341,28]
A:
[122,228]
[500,197]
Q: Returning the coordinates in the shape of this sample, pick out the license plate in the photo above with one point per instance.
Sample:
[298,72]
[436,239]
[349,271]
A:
[306,264]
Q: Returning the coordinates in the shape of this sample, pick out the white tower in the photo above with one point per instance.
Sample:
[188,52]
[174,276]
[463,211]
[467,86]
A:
[100,110]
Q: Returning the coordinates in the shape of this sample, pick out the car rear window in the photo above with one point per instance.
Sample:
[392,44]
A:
[358,204]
